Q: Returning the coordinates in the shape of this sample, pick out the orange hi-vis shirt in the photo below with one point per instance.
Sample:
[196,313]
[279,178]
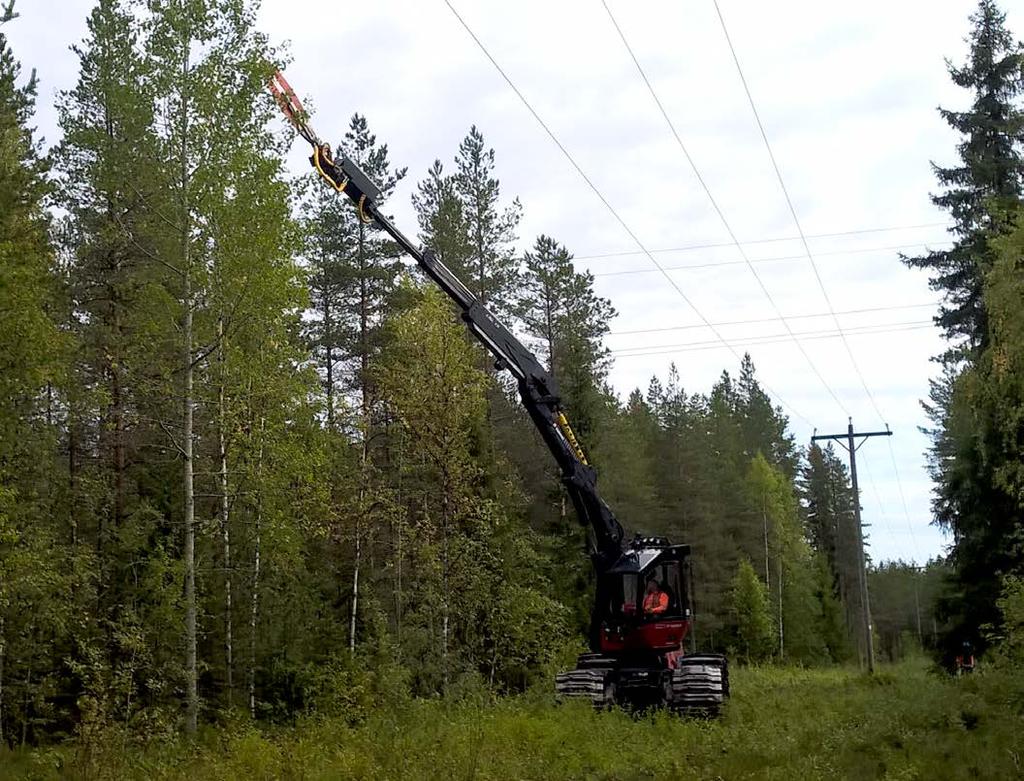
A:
[656,603]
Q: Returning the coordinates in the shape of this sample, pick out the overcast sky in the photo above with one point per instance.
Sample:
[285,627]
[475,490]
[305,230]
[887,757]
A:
[847,93]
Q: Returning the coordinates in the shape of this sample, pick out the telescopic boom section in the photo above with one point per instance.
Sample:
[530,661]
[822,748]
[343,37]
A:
[537,387]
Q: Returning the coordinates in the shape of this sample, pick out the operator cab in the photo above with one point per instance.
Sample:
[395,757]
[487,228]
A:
[643,600]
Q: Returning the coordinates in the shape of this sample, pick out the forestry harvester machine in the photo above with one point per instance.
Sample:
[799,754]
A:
[642,613]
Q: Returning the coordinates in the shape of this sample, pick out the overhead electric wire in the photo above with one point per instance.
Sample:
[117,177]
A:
[878,498]
[754,321]
[810,257]
[773,259]
[719,212]
[632,352]
[903,500]
[835,235]
[611,209]
[792,209]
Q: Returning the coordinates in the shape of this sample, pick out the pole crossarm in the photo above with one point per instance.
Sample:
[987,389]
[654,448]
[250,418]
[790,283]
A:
[844,435]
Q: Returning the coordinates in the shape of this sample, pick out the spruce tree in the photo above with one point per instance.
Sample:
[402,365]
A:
[41,586]
[828,501]
[982,194]
[982,190]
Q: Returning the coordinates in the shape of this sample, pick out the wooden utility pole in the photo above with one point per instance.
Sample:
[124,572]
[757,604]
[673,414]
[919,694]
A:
[851,446]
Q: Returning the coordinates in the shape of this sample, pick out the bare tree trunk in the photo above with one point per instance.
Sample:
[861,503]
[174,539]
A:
[398,562]
[355,579]
[117,410]
[191,674]
[73,480]
[192,692]
[225,529]
[398,590]
[364,362]
[3,659]
[329,359]
[255,595]
[26,699]
[782,645]
[113,345]
[764,518]
[444,590]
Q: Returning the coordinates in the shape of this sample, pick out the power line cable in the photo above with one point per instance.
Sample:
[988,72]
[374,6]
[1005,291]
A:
[715,245]
[903,500]
[773,259]
[632,352]
[878,498]
[719,212]
[754,321]
[876,328]
[810,255]
[792,209]
[611,209]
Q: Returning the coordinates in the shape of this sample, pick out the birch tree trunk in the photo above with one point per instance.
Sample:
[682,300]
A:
[255,593]
[444,590]
[188,403]
[3,659]
[328,329]
[225,528]
[364,359]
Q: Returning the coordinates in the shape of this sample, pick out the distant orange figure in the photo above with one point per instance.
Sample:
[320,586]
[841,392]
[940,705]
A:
[656,600]
[965,662]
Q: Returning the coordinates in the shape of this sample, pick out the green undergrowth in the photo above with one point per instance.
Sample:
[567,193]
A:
[902,723]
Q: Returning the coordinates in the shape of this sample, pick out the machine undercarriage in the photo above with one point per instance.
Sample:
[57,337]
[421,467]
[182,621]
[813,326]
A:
[697,685]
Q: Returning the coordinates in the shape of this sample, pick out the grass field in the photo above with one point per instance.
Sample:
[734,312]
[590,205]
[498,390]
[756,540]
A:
[904,723]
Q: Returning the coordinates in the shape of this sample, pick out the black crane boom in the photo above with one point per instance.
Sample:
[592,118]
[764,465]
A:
[538,388]
[642,612]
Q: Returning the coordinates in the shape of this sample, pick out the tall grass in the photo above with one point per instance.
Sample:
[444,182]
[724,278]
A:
[902,723]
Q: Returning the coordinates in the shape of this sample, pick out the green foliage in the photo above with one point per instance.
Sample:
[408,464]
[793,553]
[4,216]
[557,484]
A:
[275,478]
[477,603]
[904,606]
[1008,640]
[789,723]
[752,614]
[984,187]
[492,264]
[974,405]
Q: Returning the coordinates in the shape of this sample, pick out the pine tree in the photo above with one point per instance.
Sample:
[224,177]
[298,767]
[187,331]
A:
[763,426]
[354,284]
[354,275]
[106,119]
[567,321]
[442,219]
[493,266]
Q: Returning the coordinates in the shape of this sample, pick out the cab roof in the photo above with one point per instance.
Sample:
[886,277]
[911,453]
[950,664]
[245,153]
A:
[637,559]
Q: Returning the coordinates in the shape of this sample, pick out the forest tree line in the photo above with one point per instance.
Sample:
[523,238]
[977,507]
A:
[249,462]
